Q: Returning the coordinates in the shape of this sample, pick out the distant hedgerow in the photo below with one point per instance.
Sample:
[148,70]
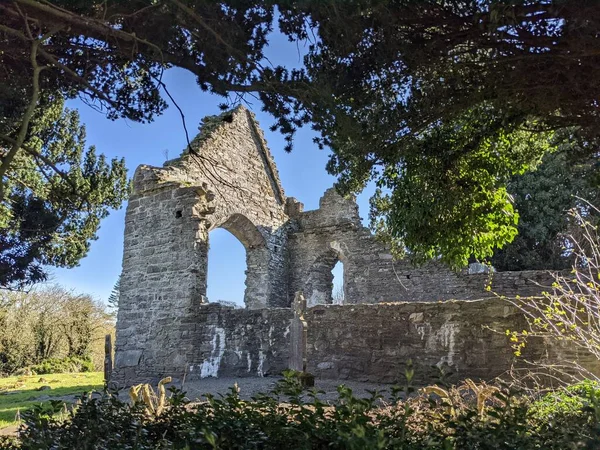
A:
[63,365]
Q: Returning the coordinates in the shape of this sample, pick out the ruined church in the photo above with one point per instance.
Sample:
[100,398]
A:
[392,314]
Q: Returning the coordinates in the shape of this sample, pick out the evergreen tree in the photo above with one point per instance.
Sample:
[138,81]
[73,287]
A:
[56,192]
[543,198]
[113,298]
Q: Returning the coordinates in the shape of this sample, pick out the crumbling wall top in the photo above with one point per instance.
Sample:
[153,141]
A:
[334,210]
[230,161]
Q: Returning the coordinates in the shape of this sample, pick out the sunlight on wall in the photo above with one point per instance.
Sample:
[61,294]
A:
[226,268]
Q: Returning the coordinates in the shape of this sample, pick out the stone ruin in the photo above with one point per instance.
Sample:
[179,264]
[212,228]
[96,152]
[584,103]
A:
[393,313]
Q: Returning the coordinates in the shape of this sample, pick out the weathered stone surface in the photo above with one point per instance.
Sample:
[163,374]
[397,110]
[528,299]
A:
[128,358]
[465,338]
[298,335]
[364,342]
[332,233]
[166,327]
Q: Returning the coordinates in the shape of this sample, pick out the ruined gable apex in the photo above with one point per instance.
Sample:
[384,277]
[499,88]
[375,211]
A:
[223,144]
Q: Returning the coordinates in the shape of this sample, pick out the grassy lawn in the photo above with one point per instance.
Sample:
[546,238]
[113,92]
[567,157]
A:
[28,395]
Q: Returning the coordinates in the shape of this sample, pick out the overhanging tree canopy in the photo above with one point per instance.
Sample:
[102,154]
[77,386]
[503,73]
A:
[441,102]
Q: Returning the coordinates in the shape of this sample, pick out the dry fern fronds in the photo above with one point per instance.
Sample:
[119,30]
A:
[143,393]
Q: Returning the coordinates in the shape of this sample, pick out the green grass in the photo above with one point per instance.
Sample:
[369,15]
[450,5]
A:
[28,395]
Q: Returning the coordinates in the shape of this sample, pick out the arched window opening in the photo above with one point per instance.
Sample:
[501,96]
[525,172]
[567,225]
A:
[337,295]
[226,277]
[324,283]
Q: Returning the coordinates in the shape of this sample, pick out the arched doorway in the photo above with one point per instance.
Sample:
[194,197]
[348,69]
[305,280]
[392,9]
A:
[226,272]
[338,294]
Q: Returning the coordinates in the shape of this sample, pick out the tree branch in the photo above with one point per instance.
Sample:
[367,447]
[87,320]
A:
[79,79]
[87,26]
[27,116]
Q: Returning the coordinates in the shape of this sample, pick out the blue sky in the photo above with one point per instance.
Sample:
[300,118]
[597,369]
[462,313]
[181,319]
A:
[302,174]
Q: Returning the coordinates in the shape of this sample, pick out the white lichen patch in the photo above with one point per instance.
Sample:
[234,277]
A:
[422,330]
[210,366]
[447,338]
[261,361]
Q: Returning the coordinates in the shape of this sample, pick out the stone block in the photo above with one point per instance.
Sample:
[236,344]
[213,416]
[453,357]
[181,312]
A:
[127,358]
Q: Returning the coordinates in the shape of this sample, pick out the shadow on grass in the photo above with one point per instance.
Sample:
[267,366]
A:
[11,403]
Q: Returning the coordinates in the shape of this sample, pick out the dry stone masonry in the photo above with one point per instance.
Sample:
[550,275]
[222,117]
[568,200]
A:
[393,312]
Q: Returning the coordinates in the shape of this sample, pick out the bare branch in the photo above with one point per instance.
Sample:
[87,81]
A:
[27,116]
[570,311]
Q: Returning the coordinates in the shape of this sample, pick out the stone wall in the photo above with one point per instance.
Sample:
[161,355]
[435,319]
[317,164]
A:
[216,340]
[162,274]
[465,339]
[334,232]
[230,182]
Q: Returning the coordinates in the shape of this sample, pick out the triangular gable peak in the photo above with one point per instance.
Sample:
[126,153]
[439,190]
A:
[229,152]
[230,159]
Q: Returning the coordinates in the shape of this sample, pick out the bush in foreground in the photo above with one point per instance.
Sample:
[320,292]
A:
[468,417]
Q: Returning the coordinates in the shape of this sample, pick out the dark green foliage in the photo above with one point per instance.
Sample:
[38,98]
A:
[444,195]
[384,83]
[543,197]
[57,192]
[438,101]
[509,422]
[68,364]
[555,414]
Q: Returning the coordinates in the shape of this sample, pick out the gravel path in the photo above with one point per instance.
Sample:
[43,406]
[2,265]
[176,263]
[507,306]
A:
[252,386]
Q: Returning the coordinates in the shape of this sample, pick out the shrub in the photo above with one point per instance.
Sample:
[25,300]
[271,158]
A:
[559,416]
[63,365]
[570,310]
[289,418]
[50,323]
